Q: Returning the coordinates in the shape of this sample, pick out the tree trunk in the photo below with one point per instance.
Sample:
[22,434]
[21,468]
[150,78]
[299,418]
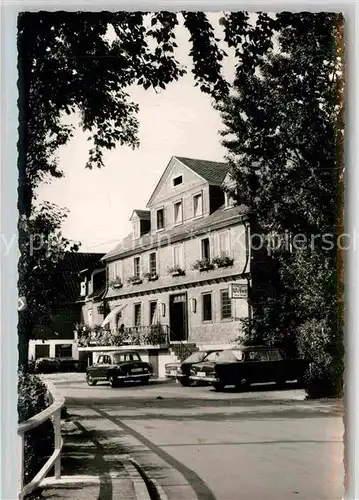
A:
[24,333]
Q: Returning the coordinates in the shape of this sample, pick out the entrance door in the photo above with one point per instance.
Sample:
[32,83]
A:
[178,317]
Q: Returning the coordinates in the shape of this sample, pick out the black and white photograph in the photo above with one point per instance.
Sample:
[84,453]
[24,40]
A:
[181,246]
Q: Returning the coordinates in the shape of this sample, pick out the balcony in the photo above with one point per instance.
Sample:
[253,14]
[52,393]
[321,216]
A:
[130,336]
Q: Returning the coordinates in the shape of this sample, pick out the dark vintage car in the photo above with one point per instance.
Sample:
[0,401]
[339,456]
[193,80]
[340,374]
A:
[243,366]
[119,367]
[184,369]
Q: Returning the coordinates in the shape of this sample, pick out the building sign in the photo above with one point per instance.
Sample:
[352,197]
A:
[238,291]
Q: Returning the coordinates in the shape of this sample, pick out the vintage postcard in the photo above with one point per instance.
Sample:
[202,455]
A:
[181,236]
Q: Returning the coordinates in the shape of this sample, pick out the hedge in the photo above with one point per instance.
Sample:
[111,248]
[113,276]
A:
[39,442]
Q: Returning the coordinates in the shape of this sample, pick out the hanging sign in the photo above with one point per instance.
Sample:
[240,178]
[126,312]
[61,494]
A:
[238,291]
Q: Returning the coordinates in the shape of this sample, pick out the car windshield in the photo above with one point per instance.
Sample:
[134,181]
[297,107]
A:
[218,356]
[195,357]
[126,356]
[227,355]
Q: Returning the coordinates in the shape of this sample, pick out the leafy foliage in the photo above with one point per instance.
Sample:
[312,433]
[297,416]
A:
[32,399]
[42,250]
[284,135]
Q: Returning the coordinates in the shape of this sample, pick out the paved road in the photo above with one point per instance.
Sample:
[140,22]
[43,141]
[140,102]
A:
[259,445]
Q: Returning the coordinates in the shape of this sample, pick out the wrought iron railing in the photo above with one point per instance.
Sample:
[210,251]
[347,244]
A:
[136,335]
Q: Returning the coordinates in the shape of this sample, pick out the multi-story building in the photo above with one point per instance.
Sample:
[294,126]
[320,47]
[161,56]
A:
[184,251]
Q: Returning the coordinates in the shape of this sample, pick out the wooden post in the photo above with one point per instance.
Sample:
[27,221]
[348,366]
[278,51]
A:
[57,429]
[21,464]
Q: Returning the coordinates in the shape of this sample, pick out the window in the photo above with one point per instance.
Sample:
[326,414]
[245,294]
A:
[226,305]
[177,213]
[160,219]
[153,263]
[100,360]
[274,355]
[257,356]
[120,358]
[177,180]
[205,249]
[136,267]
[228,201]
[207,306]
[137,313]
[63,351]
[178,256]
[197,205]
[223,243]
[153,307]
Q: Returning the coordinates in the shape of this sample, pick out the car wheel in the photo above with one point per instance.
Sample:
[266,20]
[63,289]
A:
[90,380]
[185,382]
[281,383]
[113,381]
[145,381]
[218,386]
[242,385]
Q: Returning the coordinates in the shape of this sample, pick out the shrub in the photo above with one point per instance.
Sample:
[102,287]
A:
[39,442]
[46,365]
[325,375]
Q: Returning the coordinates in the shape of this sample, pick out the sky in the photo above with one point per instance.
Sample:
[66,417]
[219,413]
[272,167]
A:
[179,121]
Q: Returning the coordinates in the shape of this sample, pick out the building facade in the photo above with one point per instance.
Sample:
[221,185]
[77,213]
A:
[185,250]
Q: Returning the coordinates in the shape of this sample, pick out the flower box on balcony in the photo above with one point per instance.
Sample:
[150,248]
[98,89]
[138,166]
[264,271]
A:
[151,276]
[203,265]
[134,280]
[223,261]
[116,283]
[176,271]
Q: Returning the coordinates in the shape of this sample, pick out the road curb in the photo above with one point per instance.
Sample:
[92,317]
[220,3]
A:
[141,489]
[155,489]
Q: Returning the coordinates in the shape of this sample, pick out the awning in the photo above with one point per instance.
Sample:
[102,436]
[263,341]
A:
[115,311]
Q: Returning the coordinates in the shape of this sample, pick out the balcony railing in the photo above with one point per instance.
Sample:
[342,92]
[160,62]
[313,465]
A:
[136,335]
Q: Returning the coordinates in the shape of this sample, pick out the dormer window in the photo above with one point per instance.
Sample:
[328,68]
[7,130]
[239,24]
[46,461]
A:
[177,181]
[228,200]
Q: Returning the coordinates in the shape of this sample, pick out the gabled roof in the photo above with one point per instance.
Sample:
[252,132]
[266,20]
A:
[141,214]
[213,172]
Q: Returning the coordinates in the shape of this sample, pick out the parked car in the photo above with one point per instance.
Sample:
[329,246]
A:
[171,369]
[119,367]
[184,370]
[244,366]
